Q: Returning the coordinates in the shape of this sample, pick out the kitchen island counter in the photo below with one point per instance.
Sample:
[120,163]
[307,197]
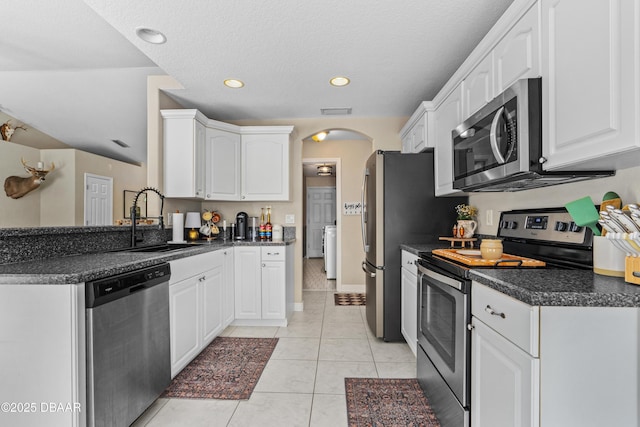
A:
[83,268]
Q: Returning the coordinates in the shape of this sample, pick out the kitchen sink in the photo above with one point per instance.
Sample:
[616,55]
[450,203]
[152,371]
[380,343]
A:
[159,248]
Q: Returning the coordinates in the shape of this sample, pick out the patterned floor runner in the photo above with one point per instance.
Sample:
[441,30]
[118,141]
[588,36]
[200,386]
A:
[229,368]
[350,299]
[387,402]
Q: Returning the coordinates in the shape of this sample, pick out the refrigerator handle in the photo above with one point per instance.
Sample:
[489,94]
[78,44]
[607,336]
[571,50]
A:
[363,212]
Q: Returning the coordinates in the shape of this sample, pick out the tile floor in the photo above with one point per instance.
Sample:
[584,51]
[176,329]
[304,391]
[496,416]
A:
[314,275]
[303,382]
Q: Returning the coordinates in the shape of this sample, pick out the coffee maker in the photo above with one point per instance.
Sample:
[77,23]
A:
[242,220]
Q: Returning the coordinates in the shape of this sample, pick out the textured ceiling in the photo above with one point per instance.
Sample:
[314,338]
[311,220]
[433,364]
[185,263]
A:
[66,71]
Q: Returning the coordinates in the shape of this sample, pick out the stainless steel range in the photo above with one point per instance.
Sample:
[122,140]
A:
[540,238]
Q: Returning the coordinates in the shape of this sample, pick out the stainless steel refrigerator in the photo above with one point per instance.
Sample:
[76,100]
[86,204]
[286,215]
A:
[398,206]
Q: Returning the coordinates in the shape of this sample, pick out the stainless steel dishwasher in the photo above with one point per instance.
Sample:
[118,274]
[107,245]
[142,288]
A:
[128,353]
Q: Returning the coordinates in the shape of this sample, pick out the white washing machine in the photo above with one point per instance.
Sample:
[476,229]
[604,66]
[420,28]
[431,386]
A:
[329,250]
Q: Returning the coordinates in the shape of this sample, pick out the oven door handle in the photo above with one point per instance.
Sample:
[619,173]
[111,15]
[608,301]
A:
[456,284]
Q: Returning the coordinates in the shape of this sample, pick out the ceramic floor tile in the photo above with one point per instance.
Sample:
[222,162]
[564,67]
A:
[228,331]
[291,348]
[300,330]
[331,374]
[288,376]
[254,331]
[150,413]
[342,315]
[396,369]
[344,330]
[345,349]
[273,410]
[328,410]
[194,413]
[391,351]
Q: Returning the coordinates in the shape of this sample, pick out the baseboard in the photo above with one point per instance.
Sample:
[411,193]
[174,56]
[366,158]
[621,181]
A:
[352,288]
[298,306]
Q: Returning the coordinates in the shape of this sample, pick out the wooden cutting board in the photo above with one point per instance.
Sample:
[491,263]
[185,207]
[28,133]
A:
[477,261]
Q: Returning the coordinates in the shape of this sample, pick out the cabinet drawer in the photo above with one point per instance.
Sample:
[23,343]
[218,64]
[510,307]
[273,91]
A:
[273,253]
[183,268]
[409,261]
[516,321]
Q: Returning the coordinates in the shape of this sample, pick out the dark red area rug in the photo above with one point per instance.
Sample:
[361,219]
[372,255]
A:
[387,402]
[350,299]
[229,368]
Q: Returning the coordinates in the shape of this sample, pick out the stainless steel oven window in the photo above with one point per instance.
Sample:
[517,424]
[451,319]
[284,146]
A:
[438,322]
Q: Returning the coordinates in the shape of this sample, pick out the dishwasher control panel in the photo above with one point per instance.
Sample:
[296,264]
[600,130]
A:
[102,291]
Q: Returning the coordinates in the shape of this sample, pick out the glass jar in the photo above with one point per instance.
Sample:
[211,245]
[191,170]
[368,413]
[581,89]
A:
[491,248]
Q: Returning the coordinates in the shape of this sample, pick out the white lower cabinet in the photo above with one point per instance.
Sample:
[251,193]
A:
[552,366]
[409,300]
[196,298]
[504,382]
[263,285]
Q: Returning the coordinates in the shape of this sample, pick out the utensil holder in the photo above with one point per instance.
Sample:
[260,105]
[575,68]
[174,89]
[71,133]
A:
[632,270]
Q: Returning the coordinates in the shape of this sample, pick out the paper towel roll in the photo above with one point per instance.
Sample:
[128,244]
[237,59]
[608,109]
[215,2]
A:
[178,228]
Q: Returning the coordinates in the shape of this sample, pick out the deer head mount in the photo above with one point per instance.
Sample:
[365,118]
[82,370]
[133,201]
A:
[16,187]
[6,130]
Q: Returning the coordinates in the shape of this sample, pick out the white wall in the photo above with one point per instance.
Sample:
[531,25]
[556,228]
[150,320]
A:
[626,183]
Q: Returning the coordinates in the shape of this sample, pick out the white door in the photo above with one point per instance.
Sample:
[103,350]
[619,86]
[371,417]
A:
[321,211]
[98,200]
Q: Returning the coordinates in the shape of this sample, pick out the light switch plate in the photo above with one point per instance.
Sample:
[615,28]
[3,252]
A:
[290,219]
[489,218]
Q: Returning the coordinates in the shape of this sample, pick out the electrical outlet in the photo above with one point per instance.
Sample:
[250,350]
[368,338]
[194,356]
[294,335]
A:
[290,219]
[489,219]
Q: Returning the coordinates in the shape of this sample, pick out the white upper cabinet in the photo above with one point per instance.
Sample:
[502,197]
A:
[478,87]
[223,158]
[414,133]
[590,85]
[265,163]
[212,160]
[184,156]
[517,55]
[447,117]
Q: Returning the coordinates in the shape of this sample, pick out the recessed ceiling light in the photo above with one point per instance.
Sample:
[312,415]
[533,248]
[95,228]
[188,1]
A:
[150,35]
[339,81]
[234,83]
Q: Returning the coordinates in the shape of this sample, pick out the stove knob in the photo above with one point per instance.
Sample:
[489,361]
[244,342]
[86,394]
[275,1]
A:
[512,225]
[575,228]
[561,226]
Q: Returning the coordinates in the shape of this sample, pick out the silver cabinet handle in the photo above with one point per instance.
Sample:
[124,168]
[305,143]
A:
[492,312]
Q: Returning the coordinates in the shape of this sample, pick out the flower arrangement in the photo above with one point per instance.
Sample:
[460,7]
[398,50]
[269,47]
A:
[466,211]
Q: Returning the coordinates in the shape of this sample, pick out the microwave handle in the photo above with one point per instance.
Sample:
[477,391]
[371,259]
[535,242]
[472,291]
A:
[494,139]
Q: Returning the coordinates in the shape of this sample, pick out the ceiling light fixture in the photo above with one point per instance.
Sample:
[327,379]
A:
[234,83]
[320,136]
[339,81]
[325,170]
[150,35]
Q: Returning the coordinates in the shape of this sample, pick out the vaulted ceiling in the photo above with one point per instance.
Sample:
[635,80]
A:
[76,70]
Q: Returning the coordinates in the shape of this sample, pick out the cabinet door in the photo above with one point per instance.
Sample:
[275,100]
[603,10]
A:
[273,290]
[182,174]
[223,159]
[228,297]
[265,167]
[409,308]
[478,87]
[211,284]
[590,88]
[517,55]
[184,312]
[504,381]
[448,116]
[247,275]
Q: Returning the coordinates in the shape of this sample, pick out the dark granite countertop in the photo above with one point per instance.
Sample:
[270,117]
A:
[552,286]
[81,268]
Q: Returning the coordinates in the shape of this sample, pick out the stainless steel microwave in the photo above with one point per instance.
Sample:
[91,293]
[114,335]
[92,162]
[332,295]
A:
[499,148]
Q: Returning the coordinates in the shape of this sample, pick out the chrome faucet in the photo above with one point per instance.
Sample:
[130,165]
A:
[133,213]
